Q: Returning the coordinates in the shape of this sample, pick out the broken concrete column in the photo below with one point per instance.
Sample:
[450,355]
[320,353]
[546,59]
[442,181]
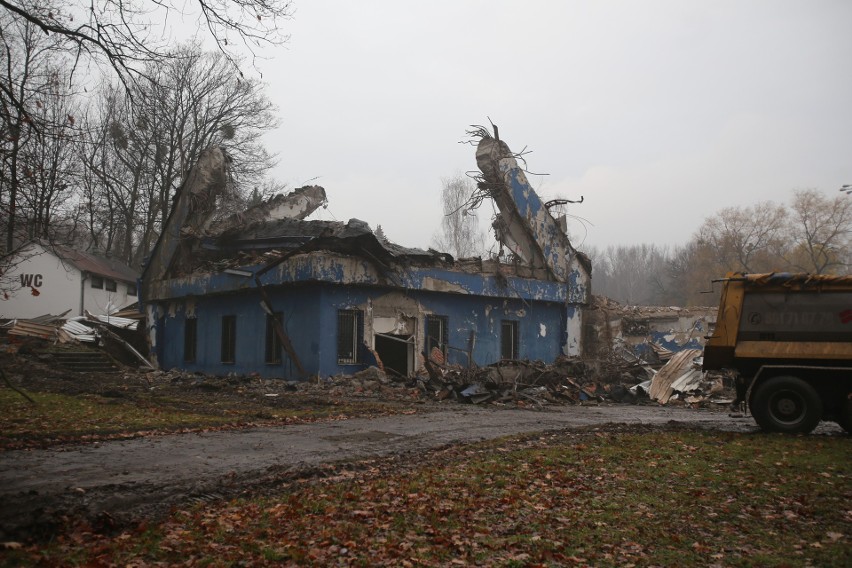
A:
[297,204]
[192,213]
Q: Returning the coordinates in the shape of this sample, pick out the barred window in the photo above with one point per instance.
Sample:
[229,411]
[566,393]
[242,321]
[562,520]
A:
[350,334]
[436,333]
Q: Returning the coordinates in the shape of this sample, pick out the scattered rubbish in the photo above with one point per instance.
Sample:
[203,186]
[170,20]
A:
[113,335]
[681,378]
[620,376]
[653,334]
[678,367]
[569,380]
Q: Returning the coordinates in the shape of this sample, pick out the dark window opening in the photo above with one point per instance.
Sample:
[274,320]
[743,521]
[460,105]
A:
[350,335]
[110,285]
[509,339]
[273,343]
[229,339]
[131,290]
[190,339]
[436,334]
[393,351]
[97,282]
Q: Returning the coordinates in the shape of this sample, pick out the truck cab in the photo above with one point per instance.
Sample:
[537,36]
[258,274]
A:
[788,338]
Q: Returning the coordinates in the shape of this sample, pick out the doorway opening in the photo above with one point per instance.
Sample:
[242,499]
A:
[396,352]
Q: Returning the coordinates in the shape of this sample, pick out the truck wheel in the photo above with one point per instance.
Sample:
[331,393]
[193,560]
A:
[786,404]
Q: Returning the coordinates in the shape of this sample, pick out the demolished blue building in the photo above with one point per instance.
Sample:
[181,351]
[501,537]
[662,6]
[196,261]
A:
[269,292]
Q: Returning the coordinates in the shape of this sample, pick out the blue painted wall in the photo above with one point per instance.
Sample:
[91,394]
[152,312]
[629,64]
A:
[300,323]
[310,318]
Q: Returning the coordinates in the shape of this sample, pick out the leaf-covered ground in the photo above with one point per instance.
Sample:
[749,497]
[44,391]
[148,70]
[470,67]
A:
[86,407]
[613,497]
[60,418]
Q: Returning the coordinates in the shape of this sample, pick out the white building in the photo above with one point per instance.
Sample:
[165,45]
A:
[54,279]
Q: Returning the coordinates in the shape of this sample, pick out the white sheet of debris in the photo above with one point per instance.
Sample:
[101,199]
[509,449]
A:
[115,321]
[79,331]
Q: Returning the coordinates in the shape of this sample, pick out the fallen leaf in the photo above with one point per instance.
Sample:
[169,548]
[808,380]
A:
[11,545]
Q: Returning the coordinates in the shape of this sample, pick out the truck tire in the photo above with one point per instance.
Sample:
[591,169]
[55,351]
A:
[786,404]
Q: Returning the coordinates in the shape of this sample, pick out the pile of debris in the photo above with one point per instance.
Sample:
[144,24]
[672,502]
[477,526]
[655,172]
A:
[620,376]
[108,332]
[514,383]
[571,380]
[681,378]
[507,381]
[654,333]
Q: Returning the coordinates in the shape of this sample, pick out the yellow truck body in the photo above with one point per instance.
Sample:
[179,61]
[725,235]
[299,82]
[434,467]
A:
[788,337]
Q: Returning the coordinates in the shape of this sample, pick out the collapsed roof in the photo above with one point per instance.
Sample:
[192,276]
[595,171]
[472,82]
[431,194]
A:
[271,232]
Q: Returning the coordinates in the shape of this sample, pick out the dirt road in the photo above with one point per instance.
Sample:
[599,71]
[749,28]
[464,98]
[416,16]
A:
[125,480]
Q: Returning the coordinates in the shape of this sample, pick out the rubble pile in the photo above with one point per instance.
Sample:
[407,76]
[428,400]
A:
[116,335]
[618,375]
[534,384]
[571,380]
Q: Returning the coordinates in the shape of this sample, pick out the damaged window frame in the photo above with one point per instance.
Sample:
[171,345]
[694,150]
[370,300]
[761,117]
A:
[350,333]
[110,285]
[273,350]
[509,345]
[96,282]
[439,339]
[190,340]
[131,290]
[228,349]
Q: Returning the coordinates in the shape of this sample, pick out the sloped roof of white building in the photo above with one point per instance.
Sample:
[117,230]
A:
[95,264]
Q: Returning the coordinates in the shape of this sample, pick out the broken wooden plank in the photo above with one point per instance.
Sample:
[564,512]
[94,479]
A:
[283,338]
[30,329]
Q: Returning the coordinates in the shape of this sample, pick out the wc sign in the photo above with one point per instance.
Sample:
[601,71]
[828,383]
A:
[33,282]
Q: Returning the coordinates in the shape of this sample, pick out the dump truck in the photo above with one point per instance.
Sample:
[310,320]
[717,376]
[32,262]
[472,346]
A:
[788,340]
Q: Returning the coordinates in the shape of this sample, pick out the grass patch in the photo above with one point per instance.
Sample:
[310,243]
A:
[605,499]
[60,418]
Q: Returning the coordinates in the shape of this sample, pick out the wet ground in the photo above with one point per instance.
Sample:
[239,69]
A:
[113,483]
[123,481]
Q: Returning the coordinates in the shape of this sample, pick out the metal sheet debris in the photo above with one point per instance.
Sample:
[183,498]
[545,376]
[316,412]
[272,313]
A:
[677,368]
[111,335]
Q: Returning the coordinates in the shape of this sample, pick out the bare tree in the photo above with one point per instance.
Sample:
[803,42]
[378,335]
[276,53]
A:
[820,234]
[745,239]
[138,159]
[29,78]
[10,259]
[124,35]
[51,170]
[813,234]
[460,234]
[631,274]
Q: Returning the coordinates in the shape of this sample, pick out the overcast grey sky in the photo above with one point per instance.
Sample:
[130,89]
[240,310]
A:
[659,113]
